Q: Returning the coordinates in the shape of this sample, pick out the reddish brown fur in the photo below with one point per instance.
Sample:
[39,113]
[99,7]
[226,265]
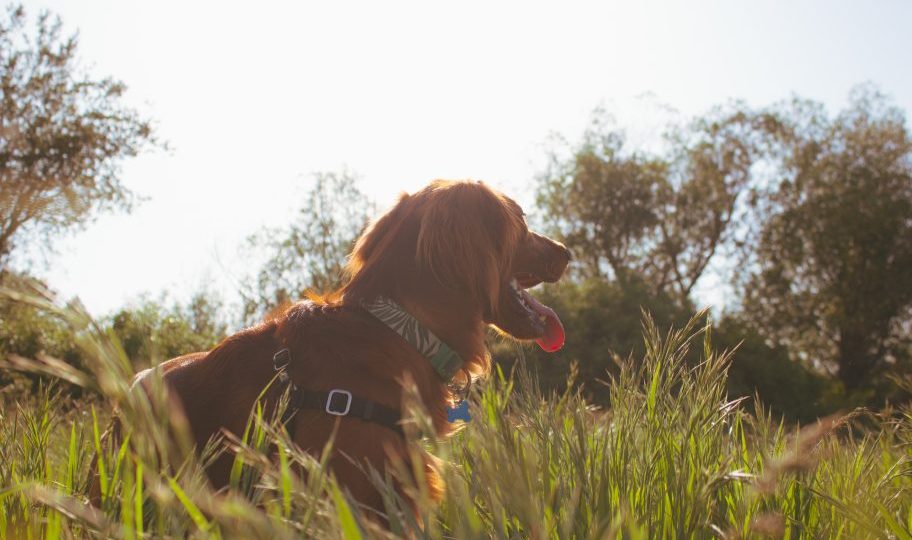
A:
[445,254]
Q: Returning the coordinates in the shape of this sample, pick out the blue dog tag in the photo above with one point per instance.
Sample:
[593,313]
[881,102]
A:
[459,412]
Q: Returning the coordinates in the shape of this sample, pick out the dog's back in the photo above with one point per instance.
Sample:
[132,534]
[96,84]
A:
[212,390]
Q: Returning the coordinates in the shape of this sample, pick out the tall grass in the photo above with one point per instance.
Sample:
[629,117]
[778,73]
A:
[670,458]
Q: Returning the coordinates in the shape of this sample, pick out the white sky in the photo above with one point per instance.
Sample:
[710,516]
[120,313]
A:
[254,96]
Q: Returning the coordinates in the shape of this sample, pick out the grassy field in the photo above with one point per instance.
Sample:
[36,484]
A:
[670,458]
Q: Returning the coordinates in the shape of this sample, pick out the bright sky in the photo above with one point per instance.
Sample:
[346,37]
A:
[254,96]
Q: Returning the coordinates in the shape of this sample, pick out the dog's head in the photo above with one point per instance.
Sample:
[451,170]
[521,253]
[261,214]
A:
[466,245]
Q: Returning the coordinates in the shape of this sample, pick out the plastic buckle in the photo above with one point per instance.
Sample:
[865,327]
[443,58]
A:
[281,359]
[329,402]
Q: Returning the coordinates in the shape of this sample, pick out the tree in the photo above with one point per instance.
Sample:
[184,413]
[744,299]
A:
[62,136]
[831,278]
[630,216]
[311,253]
[604,203]
[150,333]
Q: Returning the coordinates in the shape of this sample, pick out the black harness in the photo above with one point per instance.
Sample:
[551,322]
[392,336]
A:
[340,402]
[336,402]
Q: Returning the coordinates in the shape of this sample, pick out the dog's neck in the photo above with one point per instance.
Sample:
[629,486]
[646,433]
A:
[459,327]
[448,314]
[445,360]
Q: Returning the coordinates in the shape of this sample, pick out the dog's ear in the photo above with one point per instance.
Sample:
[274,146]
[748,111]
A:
[377,237]
[460,240]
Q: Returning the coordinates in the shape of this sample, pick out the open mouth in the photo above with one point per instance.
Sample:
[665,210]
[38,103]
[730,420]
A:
[542,320]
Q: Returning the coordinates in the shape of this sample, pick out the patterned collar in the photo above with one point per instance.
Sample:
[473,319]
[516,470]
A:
[444,359]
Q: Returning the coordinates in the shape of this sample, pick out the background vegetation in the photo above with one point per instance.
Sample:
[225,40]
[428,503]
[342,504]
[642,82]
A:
[803,216]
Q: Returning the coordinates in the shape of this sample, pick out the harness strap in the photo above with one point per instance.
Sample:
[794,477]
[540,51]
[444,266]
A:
[336,402]
[343,403]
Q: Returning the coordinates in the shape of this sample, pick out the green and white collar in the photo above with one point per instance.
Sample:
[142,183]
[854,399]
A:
[445,360]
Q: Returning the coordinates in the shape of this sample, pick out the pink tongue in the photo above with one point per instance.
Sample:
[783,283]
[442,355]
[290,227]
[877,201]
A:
[553,339]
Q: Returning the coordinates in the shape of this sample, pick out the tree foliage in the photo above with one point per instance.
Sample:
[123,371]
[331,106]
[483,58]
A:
[660,218]
[832,274]
[150,332]
[63,135]
[310,253]
[604,203]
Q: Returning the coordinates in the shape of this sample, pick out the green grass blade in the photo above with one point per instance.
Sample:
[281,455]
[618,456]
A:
[193,511]
[350,530]
[138,499]
[100,468]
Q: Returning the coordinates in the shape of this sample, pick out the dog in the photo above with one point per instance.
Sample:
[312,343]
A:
[426,279]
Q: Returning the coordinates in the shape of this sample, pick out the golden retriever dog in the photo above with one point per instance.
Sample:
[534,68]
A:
[426,280]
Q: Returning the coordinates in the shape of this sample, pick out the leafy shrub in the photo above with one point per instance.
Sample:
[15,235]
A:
[151,333]
[787,387]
